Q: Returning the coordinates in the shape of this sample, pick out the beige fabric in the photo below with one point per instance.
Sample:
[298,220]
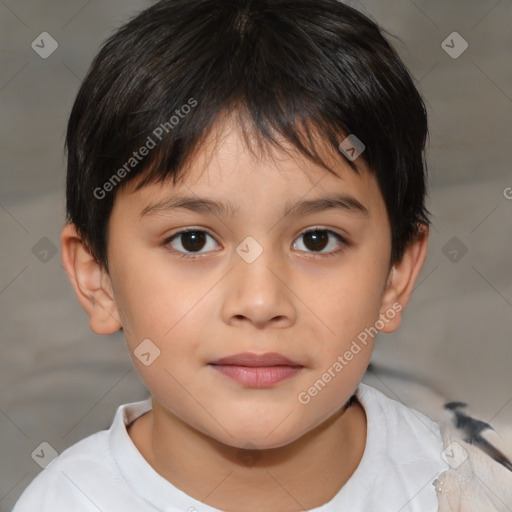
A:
[475,482]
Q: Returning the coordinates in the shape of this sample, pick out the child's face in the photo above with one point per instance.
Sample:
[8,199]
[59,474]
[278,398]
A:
[307,306]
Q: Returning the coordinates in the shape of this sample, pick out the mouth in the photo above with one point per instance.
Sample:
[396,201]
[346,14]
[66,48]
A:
[257,370]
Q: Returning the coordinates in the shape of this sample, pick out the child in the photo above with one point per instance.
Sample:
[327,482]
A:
[250,294]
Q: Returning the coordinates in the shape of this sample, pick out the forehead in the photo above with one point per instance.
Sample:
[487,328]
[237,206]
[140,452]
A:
[231,170]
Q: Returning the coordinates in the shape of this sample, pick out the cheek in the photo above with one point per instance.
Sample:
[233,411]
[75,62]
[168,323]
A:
[153,298]
[347,309]
[349,301]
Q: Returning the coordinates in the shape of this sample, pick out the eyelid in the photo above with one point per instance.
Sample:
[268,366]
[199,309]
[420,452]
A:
[335,231]
[342,239]
[188,255]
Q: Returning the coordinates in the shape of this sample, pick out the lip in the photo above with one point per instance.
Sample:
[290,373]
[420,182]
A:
[257,370]
[256,360]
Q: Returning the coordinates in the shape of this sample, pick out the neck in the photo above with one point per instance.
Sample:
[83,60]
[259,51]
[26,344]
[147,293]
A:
[299,476]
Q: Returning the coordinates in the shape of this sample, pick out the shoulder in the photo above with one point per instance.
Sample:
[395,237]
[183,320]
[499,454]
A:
[401,460]
[396,414]
[410,437]
[59,482]
[83,477]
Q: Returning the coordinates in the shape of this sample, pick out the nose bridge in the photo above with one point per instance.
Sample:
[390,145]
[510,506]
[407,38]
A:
[257,288]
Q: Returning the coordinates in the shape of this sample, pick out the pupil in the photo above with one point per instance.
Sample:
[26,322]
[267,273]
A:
[319,239]
[193,240]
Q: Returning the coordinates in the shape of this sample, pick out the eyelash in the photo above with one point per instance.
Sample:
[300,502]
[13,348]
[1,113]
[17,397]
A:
[167,241]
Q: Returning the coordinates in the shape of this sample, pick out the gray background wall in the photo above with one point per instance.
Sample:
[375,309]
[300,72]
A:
[59,382]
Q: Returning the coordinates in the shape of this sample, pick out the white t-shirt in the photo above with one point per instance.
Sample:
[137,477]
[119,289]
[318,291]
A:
[105,472]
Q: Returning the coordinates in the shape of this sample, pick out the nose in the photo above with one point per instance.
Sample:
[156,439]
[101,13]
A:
[259,292]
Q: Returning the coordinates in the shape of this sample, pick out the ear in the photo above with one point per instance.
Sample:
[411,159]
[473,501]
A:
[90,281]
[401,280]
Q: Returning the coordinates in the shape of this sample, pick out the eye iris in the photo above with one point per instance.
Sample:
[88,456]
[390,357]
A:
[319,239]
[193,240]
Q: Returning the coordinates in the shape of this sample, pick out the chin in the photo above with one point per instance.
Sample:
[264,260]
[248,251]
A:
[256,442]
[259,436]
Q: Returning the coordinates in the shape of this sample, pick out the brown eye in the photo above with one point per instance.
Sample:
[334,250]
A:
[316,240]
[191,241]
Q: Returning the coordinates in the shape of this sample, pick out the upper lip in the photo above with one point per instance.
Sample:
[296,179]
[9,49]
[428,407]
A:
[250,359]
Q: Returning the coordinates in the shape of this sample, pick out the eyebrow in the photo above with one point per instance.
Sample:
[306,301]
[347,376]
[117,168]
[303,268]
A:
[341,202]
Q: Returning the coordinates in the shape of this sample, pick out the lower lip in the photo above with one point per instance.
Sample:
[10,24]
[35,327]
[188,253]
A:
[257,376]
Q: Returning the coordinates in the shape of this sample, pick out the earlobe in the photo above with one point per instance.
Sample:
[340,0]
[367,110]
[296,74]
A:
[90,281]
[401,281]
